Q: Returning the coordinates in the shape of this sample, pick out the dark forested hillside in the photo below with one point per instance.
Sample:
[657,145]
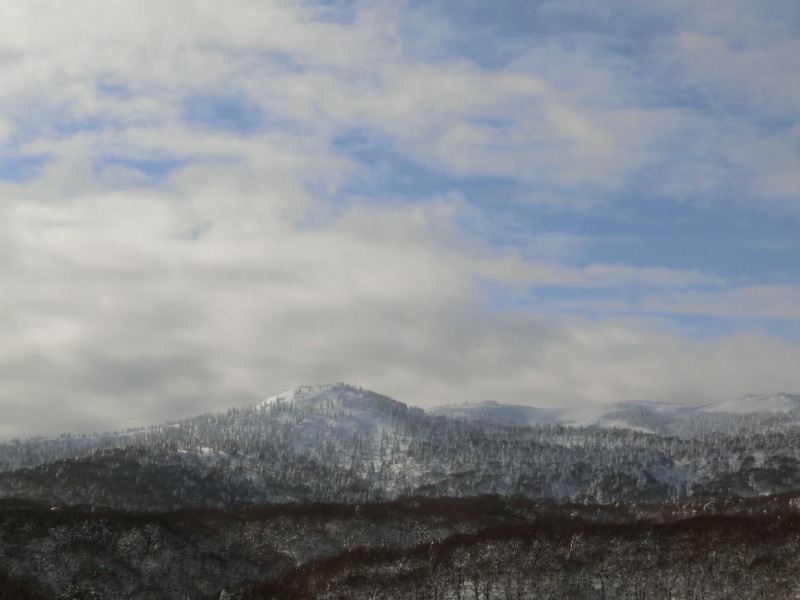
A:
[485,547]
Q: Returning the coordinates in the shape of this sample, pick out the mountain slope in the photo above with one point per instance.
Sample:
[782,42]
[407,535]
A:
[342,443]
[326,491]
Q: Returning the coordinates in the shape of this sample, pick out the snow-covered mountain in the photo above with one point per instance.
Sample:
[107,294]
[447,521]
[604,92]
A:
[343,443]
[665,418]
[436,498]
[339,410]
[361,408]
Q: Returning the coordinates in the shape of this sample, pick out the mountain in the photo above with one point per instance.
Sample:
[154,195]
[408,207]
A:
[750,412]
[342,443]
[309,443]
[335,491]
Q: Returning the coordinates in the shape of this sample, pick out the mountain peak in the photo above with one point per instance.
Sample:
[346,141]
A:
[310,394]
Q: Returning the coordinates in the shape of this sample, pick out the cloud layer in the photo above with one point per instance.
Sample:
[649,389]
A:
[200,207]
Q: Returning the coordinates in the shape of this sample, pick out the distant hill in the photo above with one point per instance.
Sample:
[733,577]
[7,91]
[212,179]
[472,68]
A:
[676,419]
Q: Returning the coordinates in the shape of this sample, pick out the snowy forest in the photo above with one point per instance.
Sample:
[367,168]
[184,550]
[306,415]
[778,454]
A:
[337,492]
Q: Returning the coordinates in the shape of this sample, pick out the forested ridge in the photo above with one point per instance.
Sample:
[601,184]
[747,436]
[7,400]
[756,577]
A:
[483,547]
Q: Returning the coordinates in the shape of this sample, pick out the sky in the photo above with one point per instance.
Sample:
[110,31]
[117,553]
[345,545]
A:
[544,202]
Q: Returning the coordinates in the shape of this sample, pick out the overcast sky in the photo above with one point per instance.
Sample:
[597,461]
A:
[536,202]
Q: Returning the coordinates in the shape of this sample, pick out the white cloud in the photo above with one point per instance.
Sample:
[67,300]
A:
[118,317]
[738,61]
[451,113]
[244,267]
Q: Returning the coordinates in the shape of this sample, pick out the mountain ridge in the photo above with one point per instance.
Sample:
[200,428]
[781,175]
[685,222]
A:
[600,415]
[304,396]
[341,443]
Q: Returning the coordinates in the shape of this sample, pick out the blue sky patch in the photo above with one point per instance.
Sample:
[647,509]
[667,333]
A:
[389,173]
[156,168]
[22,168]
[233,114]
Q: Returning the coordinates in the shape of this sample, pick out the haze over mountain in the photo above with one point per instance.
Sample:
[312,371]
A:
[627,414]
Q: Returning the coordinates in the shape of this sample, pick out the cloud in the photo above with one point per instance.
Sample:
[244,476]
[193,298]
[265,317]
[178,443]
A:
[130,307]
[202,206]
[281,67]
[210,294]
[566,117]
[733,65]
